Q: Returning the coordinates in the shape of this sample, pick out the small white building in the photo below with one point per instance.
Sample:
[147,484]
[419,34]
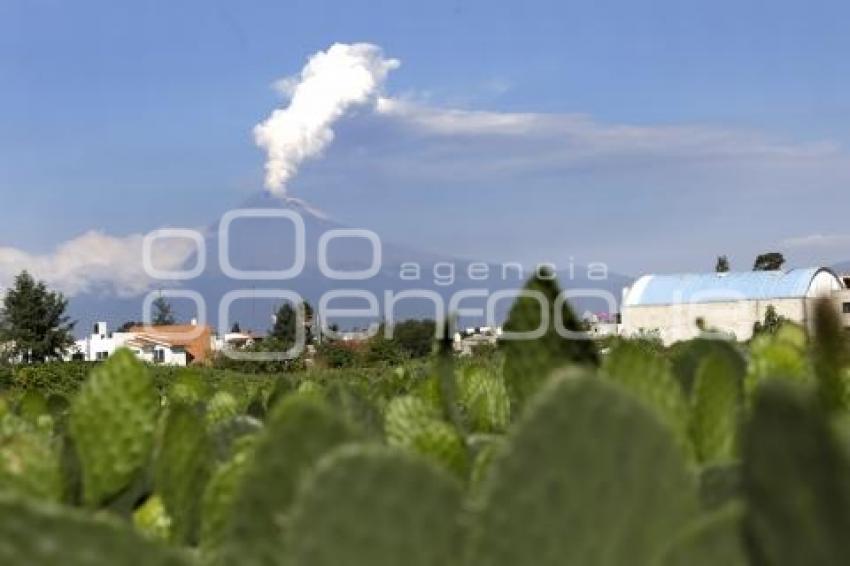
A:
[601,325]
[677,307]
[466,341]
[236,341]
[99,345]
[178,345]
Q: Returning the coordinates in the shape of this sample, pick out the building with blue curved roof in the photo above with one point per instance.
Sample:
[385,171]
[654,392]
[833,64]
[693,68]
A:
[678,306]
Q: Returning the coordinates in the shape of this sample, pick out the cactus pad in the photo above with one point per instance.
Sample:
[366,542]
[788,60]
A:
[713,540]
[300,430]
[649,376]
[796,481]
[373,506]
[49,536]
[415,425]
[589,476]
[182,469]
[716,401]
[113,422]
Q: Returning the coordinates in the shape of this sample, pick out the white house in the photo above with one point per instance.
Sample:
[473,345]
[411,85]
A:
[99,345]
[676,307]
[178,345]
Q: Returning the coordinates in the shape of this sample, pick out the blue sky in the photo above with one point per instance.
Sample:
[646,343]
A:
[655,135]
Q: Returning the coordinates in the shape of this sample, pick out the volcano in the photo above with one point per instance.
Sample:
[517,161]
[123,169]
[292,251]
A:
[260,236]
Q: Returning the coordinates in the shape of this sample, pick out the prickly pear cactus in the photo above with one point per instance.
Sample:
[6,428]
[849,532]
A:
[220,495]
[188,387]
[590,476]
[226,436]
[780,355]
[221,407]
[796,481]
[529,363]
[182,470]
[300,430]
[373,506]
[719,484]
[686,357]
[44,535]
[357,408]
[486,448]
[414,425]
[29,460]
[152,520]
[32,406]
[831,357]
[484,400]
[649,376]
[713,540]
[715,406]
[113,422]
[311,388]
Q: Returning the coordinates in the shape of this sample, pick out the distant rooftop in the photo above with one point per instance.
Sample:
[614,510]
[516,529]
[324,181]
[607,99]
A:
[686,288]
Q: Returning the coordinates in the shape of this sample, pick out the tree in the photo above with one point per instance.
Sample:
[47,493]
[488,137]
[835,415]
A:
[528,363]
[33,324]
[163,314]
[722,265]
[772,322]
[415,337]
[771,261]
[285,319]
[235,329]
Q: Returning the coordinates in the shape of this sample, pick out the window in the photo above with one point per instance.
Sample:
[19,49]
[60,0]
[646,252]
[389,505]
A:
[846,308]
[100,356]
[159,356]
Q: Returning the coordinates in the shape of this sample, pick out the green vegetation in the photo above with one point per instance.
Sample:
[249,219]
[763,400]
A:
[528,363]
[771,261]
[33,325]
[700,454]
[163,313]
[773,321]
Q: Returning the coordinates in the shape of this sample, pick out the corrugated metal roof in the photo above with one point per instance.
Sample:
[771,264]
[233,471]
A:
[717,287]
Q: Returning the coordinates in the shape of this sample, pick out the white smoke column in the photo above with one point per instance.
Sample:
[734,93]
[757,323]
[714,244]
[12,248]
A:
[330,84]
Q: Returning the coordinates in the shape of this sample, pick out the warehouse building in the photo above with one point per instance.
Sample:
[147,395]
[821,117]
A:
[677,307]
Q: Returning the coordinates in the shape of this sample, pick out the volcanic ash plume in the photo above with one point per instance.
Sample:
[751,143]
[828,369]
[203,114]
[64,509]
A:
[331,83]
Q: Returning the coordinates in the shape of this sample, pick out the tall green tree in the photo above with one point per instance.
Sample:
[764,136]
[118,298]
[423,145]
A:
[284,330]
[771,261]
[33,323]
[528,363]
[722,265]
[163,314]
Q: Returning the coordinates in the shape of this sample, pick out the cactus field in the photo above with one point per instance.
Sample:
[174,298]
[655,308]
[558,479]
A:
[705,453]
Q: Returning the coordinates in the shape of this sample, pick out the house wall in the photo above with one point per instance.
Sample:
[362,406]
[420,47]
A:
[102,343]
[175,357]
[676,323]
[840,299]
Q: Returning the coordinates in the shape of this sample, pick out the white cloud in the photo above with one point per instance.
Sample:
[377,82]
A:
[449,122]
[95,262]
[572,137]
